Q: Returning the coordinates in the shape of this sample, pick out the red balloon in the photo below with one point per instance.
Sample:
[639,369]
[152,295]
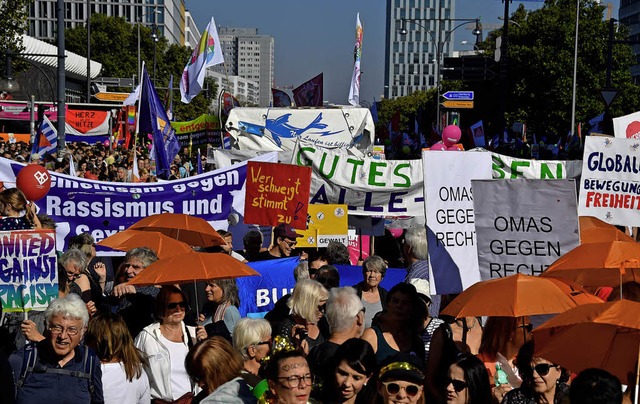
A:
[34,181]
[451,135]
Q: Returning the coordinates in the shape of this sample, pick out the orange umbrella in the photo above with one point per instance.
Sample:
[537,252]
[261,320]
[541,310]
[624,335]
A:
[192,230]
[518,295]
[164,246]
[599,264]
[594,230]
[190,267]
[600,335]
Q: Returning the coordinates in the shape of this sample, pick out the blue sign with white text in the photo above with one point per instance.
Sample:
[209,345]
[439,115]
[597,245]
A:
[459,95]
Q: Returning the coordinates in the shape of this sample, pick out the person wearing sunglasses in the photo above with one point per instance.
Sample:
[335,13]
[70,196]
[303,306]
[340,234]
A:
[252,339]
[542,381]
[401,380]
[467,381]
[165,344]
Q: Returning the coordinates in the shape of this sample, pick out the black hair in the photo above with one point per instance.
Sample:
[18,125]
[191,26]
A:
[477,378]
[595,386]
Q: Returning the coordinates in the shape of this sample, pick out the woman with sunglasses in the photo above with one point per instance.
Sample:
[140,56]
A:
[220,313]
[467,381]
[166,344]
[542,380]
[400,380]
[354,363]
[252,339]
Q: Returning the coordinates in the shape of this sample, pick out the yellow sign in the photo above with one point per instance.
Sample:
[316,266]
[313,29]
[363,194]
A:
[325,223]
[104,96]
[457,104]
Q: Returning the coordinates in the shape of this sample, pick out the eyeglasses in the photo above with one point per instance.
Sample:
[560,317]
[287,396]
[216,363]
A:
[458,385]
[543,368]
[266,342]
[394,388]
[290,243]
[72,275]
[293,382]
[175,305]
[527,327]
[56,329]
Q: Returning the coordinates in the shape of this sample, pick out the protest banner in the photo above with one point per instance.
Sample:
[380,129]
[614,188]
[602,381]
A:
[258,294]
[205,129]
[368,186]
[325,223]
[609,187]
[627,127]
[523,226]
[28,270]
[277,193]
[359,246]
[505,167]
[103,208]
[451,238]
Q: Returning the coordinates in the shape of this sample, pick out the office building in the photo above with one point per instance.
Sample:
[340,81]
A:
[629,15]
[249,56]
[410,59]
[246,91]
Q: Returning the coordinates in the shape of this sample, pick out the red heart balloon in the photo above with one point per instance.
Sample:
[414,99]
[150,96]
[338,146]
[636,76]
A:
[34,181]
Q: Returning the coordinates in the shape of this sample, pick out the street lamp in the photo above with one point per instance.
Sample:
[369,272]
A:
[9,84]
[88,51]
[139,19]
[439,45]
[154,35]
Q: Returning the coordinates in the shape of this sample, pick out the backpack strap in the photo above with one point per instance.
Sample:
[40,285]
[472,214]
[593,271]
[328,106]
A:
[29,360]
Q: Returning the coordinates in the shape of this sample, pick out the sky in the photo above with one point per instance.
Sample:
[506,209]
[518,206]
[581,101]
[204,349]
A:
[313,37]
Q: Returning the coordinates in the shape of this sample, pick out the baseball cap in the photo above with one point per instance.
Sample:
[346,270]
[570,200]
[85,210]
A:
[285,230]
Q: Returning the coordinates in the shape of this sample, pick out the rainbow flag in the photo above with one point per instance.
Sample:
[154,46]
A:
[208,53]
[354,91]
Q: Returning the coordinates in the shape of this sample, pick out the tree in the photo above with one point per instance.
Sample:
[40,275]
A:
[14,22]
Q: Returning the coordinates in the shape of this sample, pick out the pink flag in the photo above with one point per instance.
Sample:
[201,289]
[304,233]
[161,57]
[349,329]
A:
[309,94]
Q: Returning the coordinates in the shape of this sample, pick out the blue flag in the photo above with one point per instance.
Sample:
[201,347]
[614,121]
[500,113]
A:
[200,170]
[46,140]
[374,111]
[153,119]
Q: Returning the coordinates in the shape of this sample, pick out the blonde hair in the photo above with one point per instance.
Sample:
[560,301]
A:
[306,298]
[249,331]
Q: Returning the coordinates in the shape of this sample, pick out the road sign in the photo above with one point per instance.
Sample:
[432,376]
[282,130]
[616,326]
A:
[105,96]
[458,104]
[459,95]
[608,95]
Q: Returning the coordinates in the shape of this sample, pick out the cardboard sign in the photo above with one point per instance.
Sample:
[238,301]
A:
[325,223]
[277,193]
[28,269]
[523,226]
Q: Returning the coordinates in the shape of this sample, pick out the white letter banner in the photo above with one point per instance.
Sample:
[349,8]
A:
[523,226]
[453,259]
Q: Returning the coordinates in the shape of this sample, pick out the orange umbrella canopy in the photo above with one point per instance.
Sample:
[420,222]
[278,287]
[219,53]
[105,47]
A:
[518,295]
[191,230]
[600,335]
[599,264]
[192,266]
[594,230]
[164,246]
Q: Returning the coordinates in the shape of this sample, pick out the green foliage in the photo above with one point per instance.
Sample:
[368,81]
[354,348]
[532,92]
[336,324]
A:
[14,22]
[114,43]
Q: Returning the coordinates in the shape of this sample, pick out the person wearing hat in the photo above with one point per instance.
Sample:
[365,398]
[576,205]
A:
[284,242]
[400,380]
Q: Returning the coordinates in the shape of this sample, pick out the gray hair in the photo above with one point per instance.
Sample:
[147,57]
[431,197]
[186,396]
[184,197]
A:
[248,332]
[416,238]
[75,256]
[301,271]
[374,263]
[70,306]
[342,308]
[143,254]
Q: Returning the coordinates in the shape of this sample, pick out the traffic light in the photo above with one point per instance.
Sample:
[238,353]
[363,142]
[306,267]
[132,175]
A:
[467,68]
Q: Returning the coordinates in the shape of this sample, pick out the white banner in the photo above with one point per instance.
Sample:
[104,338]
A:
[505,167]
[224,158]
[453,259]
[370,187]
[610,184]
[628,126]
[523,226]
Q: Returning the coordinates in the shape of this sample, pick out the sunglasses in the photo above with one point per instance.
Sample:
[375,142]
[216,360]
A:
[175,305]
[543,368]
[458,385]
[394,388]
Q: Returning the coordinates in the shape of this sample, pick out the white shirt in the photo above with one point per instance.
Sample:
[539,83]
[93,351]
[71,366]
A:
[180,383]
[118,390]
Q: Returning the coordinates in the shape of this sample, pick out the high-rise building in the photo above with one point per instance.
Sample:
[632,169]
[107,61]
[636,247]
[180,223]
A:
[410,59]
[170,20]
[629,15]
[250,56]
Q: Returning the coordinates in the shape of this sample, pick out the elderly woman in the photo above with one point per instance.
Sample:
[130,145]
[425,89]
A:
[216,367]
[221,308]
[307,308]
[123,376]
[542,381]
[80,281]
[467,381]
[289,378]
[373,296]
[400,380]
[252,338]
[166,344]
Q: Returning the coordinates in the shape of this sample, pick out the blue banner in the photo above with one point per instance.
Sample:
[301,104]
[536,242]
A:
[258,294]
